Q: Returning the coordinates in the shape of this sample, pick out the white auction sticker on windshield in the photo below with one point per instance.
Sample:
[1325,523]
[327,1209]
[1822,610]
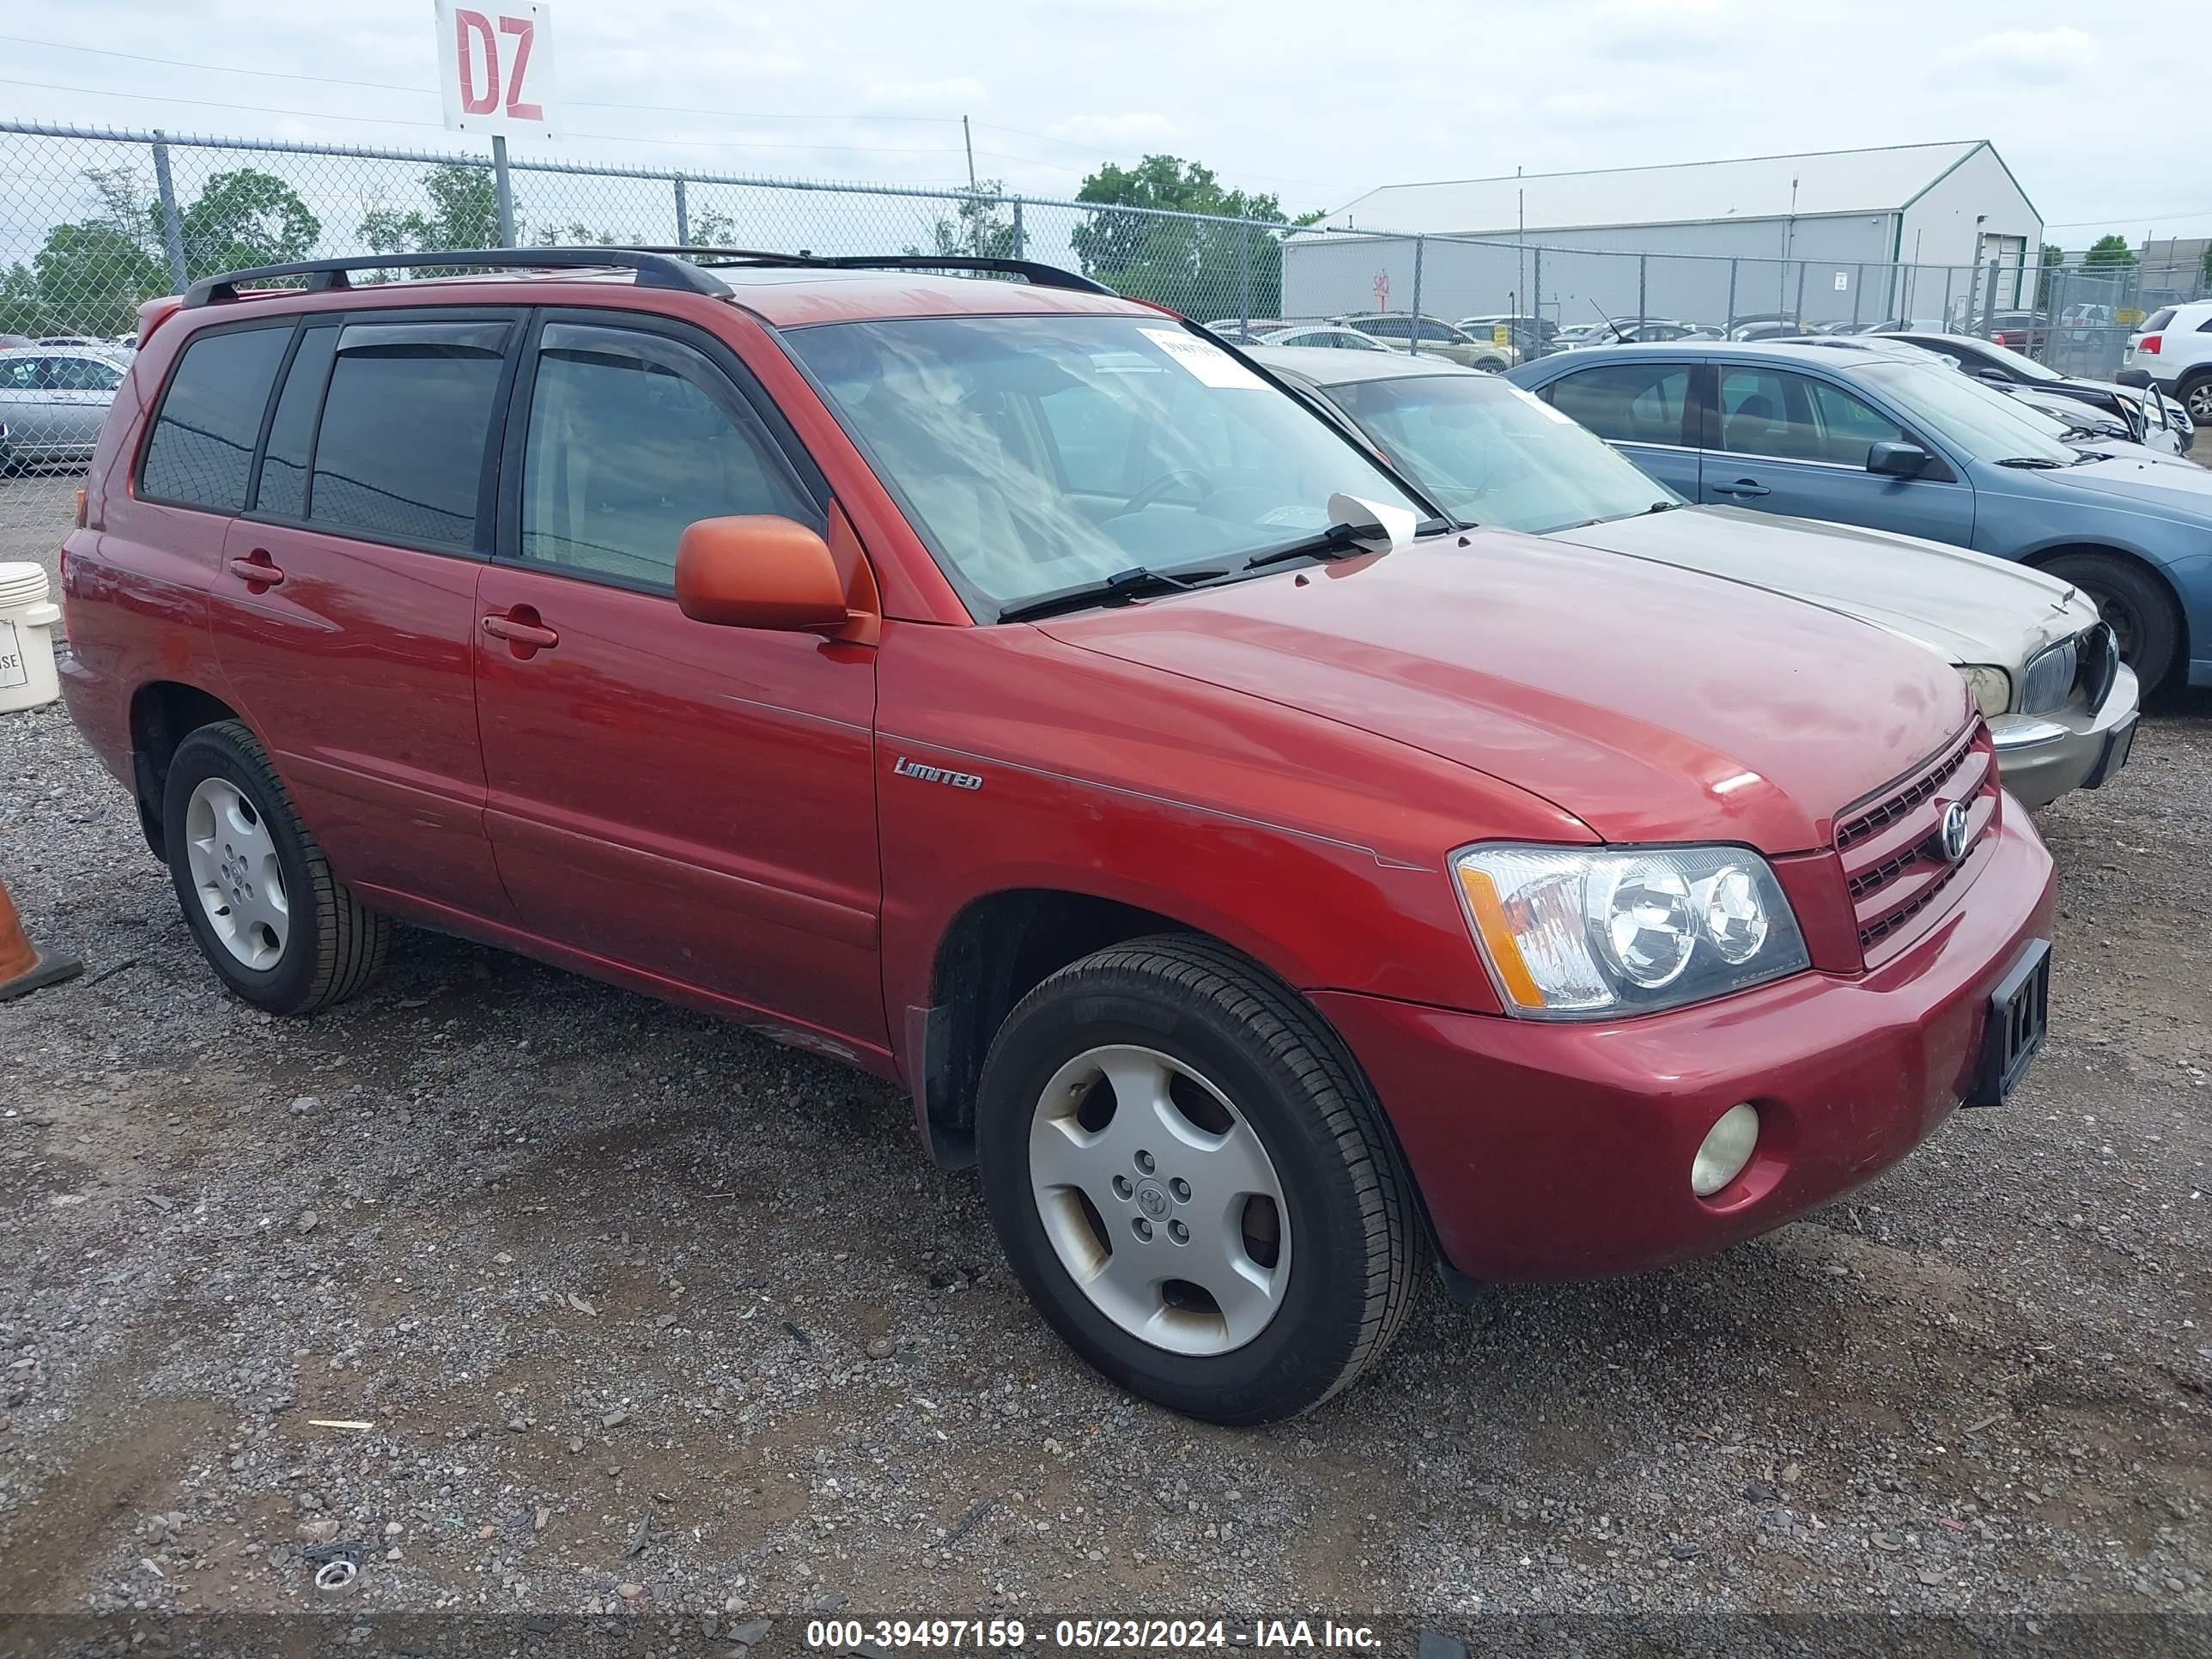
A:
[1205,360]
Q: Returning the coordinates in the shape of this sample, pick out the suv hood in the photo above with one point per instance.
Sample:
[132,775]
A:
[1969,606]
[1652,703]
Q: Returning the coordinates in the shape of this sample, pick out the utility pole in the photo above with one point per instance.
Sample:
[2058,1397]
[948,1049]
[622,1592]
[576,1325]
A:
[974,209]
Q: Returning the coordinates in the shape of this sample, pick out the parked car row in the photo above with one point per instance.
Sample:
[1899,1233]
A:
[1906,444]
[1291,817]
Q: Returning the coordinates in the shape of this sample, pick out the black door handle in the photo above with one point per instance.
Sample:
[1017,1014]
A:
[1742,487]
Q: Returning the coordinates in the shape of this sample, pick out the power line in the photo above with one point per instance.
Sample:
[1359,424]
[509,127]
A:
[582,103]
[2150,215]
[396,121]
[424,92]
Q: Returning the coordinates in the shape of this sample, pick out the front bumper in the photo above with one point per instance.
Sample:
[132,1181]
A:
[1563,1151]
[2042,756]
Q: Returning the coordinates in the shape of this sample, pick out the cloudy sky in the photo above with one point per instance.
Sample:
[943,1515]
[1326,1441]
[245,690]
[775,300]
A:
[1314,103]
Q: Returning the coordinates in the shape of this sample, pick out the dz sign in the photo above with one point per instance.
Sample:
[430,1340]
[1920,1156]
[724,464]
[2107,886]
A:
[495,67]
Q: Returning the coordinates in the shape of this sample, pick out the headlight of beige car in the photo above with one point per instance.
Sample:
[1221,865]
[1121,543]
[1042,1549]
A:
[1991,686]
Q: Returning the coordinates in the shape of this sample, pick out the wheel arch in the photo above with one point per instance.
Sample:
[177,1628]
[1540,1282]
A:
[2176,608]
[163,714]
[1000,946]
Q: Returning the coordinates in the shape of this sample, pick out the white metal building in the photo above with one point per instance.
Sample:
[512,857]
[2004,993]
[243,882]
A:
[1823,236]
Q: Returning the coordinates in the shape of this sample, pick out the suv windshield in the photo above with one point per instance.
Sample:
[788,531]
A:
[1491,454]
[1035,453]
[1986,424]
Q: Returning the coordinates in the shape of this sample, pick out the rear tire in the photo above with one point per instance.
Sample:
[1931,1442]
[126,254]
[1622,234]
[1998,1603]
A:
[280,929]
[2195,395]
[1339,1247]
[2136,605]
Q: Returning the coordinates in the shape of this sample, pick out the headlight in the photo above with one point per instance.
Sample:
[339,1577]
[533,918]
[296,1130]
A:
[1992,689]
[1580,932]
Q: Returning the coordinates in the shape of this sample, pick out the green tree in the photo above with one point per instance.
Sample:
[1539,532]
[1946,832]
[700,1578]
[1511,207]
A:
[577,233]
[241,218]
[89,275]
[980,227]
[463,213]
[2109,250]
[1195,267]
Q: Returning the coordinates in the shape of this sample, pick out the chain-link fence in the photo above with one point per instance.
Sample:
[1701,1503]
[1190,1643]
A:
[92,222]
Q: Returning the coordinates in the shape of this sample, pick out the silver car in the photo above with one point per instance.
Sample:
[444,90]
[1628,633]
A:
[2042,664]
[53,401]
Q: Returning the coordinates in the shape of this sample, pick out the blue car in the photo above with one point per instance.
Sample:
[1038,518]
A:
[1919,448]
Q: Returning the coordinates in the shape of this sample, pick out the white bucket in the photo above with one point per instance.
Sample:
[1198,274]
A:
[26,641]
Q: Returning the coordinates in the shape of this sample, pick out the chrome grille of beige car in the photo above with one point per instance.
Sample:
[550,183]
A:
[2050,678]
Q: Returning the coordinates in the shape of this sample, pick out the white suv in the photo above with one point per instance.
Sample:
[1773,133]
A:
[2173,348]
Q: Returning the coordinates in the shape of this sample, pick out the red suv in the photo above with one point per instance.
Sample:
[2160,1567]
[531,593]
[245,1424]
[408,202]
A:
[1005,688]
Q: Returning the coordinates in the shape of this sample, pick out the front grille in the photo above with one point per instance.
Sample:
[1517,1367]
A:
[1867,820]
[2049,679]
[1889,844]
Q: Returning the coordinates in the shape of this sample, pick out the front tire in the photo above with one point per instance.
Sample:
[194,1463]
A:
[2135,606]
[280,929]
[1193,1187]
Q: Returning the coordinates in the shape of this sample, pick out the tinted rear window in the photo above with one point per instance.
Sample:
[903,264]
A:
[210,419]
[283,492]
[400,454]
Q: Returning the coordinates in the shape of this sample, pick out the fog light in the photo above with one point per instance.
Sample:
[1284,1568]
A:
[1727,1148]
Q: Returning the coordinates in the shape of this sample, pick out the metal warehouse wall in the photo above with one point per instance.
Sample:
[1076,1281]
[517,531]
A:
[1685,270]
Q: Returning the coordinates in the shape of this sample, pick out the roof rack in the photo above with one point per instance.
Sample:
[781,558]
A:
[1036,274]
[655,268]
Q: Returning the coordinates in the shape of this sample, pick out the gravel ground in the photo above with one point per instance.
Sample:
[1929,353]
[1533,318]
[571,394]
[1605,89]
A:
[645,1314]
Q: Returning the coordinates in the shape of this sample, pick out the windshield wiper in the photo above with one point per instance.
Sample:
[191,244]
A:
[1333,542]
[1133,583]
[1663,507]
[2039,462]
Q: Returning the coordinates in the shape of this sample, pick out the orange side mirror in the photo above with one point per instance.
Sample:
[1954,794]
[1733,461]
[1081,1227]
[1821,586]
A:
[756,571]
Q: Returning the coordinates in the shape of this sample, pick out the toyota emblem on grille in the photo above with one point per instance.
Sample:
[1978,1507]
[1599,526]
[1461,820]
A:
[1952,835]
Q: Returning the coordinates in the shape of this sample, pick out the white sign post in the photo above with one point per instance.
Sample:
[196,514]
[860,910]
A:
[496,72]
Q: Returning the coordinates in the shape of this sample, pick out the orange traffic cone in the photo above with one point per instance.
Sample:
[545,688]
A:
[22,969]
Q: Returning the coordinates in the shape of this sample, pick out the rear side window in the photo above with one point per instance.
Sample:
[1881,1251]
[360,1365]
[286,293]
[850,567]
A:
[283,491]
[400,454]
[202,446]
[83,374]
[1627,402]
[632,437]
[2157,321]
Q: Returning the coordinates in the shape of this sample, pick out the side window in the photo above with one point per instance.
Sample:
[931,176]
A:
[1755,415]
[400,453]
[83,374]
[632,437]
[1847,427]
[284,490]
[1627,402]
[202,445]
[1387,328]
[19,373]
[1095,433]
